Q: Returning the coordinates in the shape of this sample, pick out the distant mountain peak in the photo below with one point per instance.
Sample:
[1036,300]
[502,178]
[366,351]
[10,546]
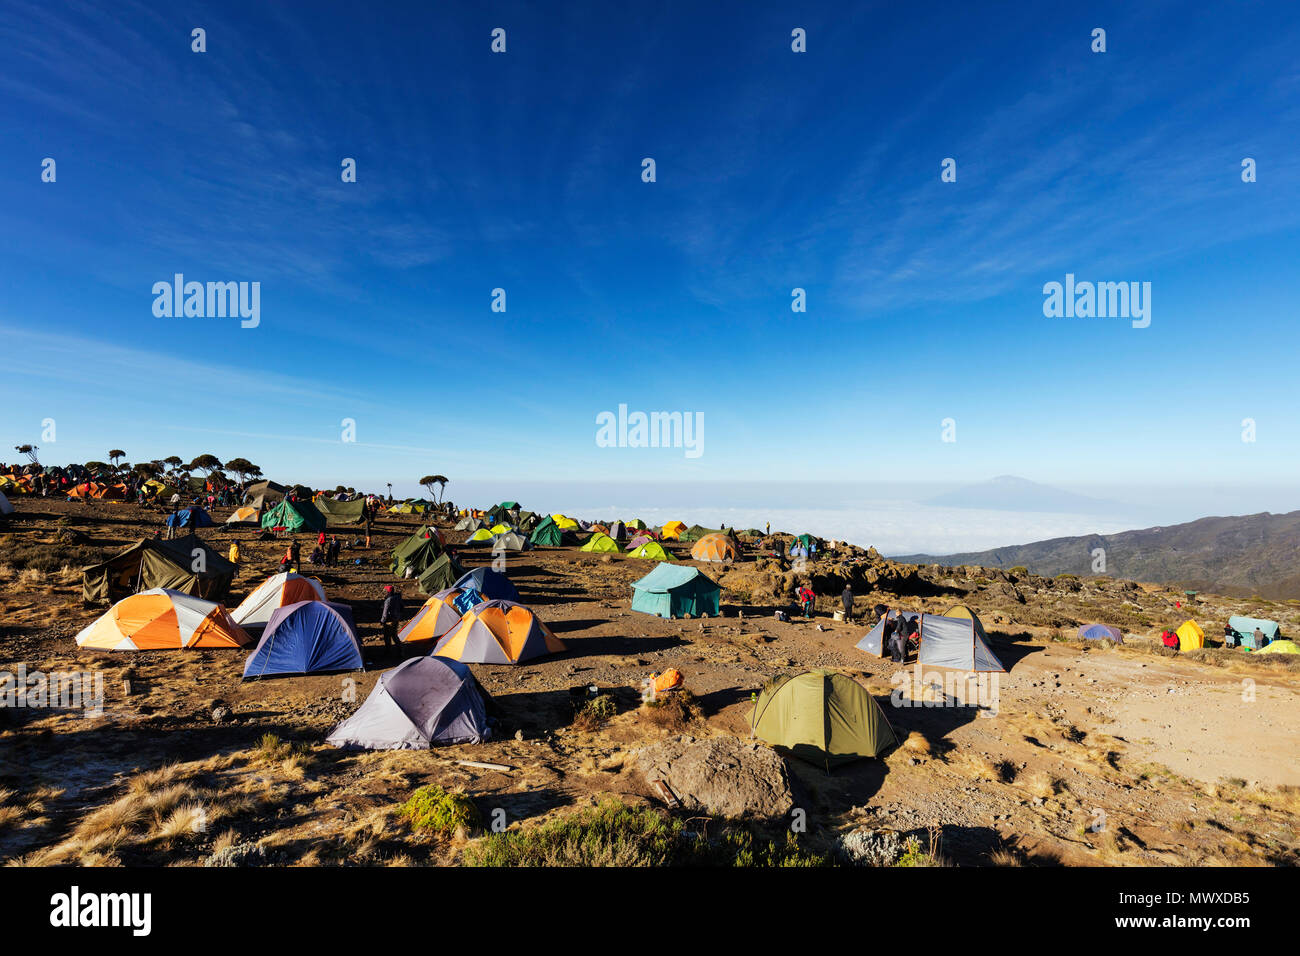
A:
[1014,493]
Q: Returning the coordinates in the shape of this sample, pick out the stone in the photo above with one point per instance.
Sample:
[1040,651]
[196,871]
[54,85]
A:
[723,776]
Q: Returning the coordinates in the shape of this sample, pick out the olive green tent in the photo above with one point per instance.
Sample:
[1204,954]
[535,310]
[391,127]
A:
[418,552]
[294,515]
[674,590]
[182,564]
[341,512]
[442,574]
[824,718]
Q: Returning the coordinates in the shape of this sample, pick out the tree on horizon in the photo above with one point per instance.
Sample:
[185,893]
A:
[428,481]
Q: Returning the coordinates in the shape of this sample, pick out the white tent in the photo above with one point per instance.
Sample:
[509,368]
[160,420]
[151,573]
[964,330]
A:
[957,643]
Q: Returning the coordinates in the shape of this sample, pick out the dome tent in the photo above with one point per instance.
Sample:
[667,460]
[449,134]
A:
[276,591]
[434,619]
[499,632]
[160,619]
[600,543]
[306,638]
[715,548]
[422,702]
[492,584]
[822,717]
[1100,632]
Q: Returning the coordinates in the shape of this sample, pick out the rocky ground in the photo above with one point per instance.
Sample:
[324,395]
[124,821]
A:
[1088,753]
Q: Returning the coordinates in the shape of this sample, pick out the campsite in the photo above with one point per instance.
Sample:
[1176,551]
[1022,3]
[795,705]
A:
[276,740]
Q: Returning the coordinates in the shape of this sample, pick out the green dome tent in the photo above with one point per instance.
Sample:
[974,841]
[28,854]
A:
[824,718]
[547,534]
[295,516]
[601,544]
[652,551]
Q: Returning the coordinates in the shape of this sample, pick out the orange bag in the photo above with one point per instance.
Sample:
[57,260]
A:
[670,679]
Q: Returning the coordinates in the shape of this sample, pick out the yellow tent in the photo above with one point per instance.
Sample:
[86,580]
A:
[1280,647]
[566,524]
[673,529]
[501,528]
[1190,636]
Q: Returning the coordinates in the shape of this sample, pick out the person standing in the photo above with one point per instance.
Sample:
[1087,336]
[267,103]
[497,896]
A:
[847,597]
[896,633]
[390,615]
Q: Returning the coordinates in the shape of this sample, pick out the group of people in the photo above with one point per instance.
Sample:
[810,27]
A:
[326,552]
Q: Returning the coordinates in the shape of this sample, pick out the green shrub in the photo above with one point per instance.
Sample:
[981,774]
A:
[436,810]
[614,834]
[609,834]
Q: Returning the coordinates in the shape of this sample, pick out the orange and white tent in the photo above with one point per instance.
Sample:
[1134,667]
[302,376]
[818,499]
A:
[279,590]
[438,616]
[244,515]
[160,620]
[498,632]
[714,547]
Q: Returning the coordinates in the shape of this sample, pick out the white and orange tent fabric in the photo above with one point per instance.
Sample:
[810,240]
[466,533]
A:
[498,632]
[243,515]
[279,590]
[162,620]
[435,618]
[716,548]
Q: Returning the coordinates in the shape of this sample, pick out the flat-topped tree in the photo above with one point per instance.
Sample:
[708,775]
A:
[116,455]
[428,481]
[173,463]
[28,450]
[146,469]
[241,468]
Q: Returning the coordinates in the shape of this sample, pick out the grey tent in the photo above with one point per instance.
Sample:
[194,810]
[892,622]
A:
[421,703]
[509,541]
[957,643]
[468,524]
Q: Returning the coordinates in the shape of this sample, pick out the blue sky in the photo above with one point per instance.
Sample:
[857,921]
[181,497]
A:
[775,170]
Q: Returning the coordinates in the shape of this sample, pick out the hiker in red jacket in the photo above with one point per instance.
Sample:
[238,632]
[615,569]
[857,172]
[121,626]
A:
[806,598]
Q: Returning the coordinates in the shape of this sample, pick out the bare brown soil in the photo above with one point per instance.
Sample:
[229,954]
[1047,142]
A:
[1093,755]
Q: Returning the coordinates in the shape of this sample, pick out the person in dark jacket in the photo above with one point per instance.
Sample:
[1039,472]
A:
[847,598]
[391,615]
[898,640]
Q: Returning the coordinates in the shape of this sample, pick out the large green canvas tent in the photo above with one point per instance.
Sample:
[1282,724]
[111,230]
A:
[440,575]
[341,512]
[674,590]
[154,563]
[824,718]
[418,552]
[295,516]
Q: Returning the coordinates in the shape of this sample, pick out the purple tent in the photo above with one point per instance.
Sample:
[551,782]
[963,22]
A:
[1101,632]
[420,703]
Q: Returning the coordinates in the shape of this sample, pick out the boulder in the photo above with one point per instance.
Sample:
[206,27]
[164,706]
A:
[722,776]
